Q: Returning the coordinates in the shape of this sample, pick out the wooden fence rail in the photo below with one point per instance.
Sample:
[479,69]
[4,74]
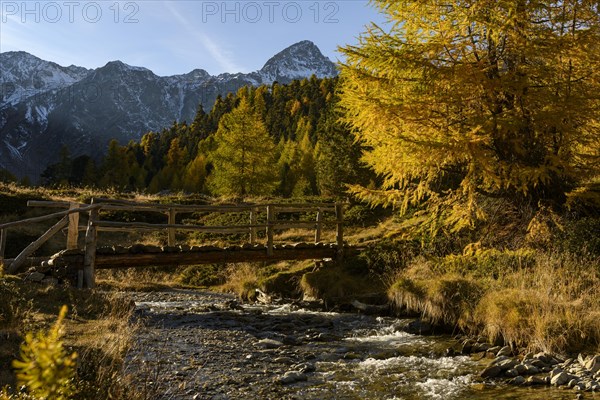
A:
[96,223]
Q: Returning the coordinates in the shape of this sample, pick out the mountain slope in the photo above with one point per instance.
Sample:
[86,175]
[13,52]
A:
[23,75]
[47,106]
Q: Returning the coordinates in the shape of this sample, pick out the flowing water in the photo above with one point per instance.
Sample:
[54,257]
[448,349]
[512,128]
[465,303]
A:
[205,345]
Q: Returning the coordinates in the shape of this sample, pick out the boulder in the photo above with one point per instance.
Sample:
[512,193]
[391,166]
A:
[538,363]
[120,249]
[511,373]
[103,250]
[519,380]
[521,369]
[560,379]
[491,371]
[479,347]
[152,249]
[545,358]
[419,327]
[137,249]
[292,377]
[535,380]
[593,365]
[467,346]
[504,351]
[572,383]
[269,343]
[35,277]
[171,249]
[531,369]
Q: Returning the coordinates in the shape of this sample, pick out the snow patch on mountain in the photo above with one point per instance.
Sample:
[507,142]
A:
[14,152]
[23,75]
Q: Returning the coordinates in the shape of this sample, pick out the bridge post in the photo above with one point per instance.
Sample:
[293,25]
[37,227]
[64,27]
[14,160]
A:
[91,241]
[73,232]
[253,212]
[270,215]
[172,215]
[319,225]
[3,233]
[339,236]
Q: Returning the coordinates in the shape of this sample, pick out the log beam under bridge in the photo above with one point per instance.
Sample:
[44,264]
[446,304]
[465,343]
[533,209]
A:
[173,256]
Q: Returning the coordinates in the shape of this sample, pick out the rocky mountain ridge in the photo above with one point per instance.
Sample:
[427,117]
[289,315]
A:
[44,106]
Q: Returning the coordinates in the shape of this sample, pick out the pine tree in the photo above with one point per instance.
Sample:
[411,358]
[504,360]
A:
[460,101]
[338,156]
[243,160]
[194,175]
[116,168]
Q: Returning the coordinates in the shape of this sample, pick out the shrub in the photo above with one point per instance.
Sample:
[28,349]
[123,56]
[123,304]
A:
[202,275]
[486,263]
[581,236]
[448,299]
[337,284]
[387,257]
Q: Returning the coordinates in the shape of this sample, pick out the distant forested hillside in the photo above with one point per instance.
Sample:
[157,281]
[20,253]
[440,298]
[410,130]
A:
[281,139]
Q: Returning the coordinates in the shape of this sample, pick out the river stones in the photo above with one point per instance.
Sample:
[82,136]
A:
[420,327]
[304,368]
[504,351]
[171,249]
[35,277]
[269,343]
[491,371]
[467,346]
[535,381]
[593,364]
[498,366]
[292,377]
[519,380]
[560,378]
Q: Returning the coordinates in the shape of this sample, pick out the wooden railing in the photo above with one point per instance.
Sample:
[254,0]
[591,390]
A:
[98,222]
[70,219]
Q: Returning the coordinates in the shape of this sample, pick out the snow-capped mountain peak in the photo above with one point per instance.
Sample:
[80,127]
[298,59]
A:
[300,60]
[23,75]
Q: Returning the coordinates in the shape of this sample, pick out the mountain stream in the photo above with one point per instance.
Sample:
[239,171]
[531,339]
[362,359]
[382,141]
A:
[204,345]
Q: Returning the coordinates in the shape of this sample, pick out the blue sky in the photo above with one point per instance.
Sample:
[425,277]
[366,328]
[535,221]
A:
[174,37]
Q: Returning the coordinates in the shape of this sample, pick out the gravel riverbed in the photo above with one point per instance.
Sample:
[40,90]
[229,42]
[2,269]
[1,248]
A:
[204,345]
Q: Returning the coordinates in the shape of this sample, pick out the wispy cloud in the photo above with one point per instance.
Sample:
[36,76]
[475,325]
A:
[216,50]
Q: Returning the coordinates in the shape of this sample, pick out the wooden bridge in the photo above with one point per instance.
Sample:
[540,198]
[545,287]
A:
[263,220]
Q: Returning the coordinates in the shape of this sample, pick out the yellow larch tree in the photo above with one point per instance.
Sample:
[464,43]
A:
[456,101]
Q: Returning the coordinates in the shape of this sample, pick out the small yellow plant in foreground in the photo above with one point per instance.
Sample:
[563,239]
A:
[45,369]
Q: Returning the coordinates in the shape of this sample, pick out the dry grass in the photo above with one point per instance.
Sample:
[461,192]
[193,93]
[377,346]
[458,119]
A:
[449,299]
[98,327]
[551,304]
[372,234]
[143,279]
[243,280]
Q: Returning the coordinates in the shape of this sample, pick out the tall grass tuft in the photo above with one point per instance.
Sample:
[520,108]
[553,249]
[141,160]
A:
[243,280]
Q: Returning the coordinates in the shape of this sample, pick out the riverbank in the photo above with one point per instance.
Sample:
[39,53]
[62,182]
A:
[533,301]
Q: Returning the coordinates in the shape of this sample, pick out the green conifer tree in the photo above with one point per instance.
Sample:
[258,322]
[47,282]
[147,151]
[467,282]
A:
[244,158]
